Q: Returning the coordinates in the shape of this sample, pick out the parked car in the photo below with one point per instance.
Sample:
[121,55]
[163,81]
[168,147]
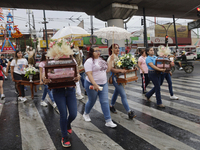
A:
[190,56]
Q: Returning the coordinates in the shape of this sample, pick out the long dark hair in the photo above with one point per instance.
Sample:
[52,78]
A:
[110,48]
[43,58]
[90,54]
[16,58]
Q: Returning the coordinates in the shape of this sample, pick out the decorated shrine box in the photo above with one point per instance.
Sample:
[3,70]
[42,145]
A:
[129,76]
[61,72]
[163,63]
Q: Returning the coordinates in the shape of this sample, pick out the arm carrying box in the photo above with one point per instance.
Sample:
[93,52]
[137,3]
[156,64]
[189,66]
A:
[163,63]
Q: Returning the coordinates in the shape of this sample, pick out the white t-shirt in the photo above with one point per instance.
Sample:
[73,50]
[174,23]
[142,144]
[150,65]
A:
[19,67]
[98,68]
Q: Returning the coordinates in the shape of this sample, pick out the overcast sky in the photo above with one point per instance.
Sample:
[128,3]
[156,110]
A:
[59,19]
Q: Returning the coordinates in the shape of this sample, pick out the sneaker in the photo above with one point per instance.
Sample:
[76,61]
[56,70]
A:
[131,114]
[181,68]
[79,97]
[154,95]
[43,103]
[54,105]
[2,96]
[174,97]
[20,98]
[24,99]
[86,117]
[113,110]
[110,124]
[148,99]
[161,106]
[65,142]
[69,131]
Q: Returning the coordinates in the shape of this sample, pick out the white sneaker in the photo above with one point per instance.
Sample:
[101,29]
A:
[79,97]
[181,68]
[54,105]
[86,117]
[174,97]
[154,95]
[20,98]
[43,103]
[24,99]
[2,96]
[110,124]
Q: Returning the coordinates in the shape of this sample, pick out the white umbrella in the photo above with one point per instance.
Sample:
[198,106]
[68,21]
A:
[70,32]
[116,33]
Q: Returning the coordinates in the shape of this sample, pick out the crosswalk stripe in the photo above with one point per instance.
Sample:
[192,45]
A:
[34,135]
[174,120]
[91,136]
[146,132]
[186,81]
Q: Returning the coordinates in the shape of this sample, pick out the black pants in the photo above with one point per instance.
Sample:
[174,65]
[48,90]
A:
[18,77]
[146,78]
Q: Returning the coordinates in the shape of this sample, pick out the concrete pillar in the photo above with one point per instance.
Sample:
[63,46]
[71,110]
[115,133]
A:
[116,23]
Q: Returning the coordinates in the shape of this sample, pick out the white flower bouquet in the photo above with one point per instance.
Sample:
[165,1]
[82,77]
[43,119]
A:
[30,70]
[59,48]
[126,61]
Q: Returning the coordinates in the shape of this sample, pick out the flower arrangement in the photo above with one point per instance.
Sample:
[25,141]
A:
[163,51]
[30,70]
[126,61]
[59,48]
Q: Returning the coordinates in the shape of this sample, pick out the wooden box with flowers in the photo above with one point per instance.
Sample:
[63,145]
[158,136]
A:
[163,61]
[128,62]
[61,68]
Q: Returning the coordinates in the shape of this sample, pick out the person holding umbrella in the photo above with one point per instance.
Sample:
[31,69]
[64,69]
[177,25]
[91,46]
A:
[143,70]
[119,89]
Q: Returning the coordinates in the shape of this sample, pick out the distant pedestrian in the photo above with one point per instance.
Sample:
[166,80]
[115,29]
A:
[119,88]
[96,69]
[1,82]
[3,63]
[143,69]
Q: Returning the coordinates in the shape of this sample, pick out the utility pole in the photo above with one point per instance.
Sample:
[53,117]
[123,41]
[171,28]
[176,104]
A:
[145,30]
[175,33]
[126,39]
[91,20]
[34,32]
[45,26]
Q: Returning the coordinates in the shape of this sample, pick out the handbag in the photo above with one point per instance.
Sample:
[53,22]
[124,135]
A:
[110,81]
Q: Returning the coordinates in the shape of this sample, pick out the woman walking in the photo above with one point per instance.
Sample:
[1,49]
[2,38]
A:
[119,89]
[143,69]
[154,77]
[17,69]
[1,82]
[46,90]
[96,69]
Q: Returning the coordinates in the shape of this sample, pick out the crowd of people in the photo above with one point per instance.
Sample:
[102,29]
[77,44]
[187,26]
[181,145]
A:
[91,73]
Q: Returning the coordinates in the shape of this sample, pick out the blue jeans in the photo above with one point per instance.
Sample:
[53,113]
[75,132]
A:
[82,78]
[119,90]
[169,81]
[146,78]
[103,98]
[46,90]
[66,99]
[155,78]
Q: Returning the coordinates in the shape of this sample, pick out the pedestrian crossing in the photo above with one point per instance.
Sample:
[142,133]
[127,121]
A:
[30,126]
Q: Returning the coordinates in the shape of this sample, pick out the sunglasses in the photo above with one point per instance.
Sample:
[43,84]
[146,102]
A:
[97,51]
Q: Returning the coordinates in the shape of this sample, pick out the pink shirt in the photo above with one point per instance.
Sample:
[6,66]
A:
[143,64]
[98,68]
[42,65]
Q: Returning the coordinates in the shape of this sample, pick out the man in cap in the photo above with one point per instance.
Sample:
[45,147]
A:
[183,60]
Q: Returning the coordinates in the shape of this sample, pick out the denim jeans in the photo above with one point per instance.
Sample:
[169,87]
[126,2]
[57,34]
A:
[46,90]
[66,99]
[169,81]
[103,98]
[82,78]
[146,78]
[119,90]
[155,78]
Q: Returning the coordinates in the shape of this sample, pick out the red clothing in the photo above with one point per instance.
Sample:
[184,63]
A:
[1,68]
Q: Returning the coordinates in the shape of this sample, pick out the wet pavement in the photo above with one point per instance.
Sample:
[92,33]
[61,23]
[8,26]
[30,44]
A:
[30,126]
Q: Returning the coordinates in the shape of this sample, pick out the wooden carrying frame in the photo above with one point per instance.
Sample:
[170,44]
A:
[164,62]
[127,79]
[61,82]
